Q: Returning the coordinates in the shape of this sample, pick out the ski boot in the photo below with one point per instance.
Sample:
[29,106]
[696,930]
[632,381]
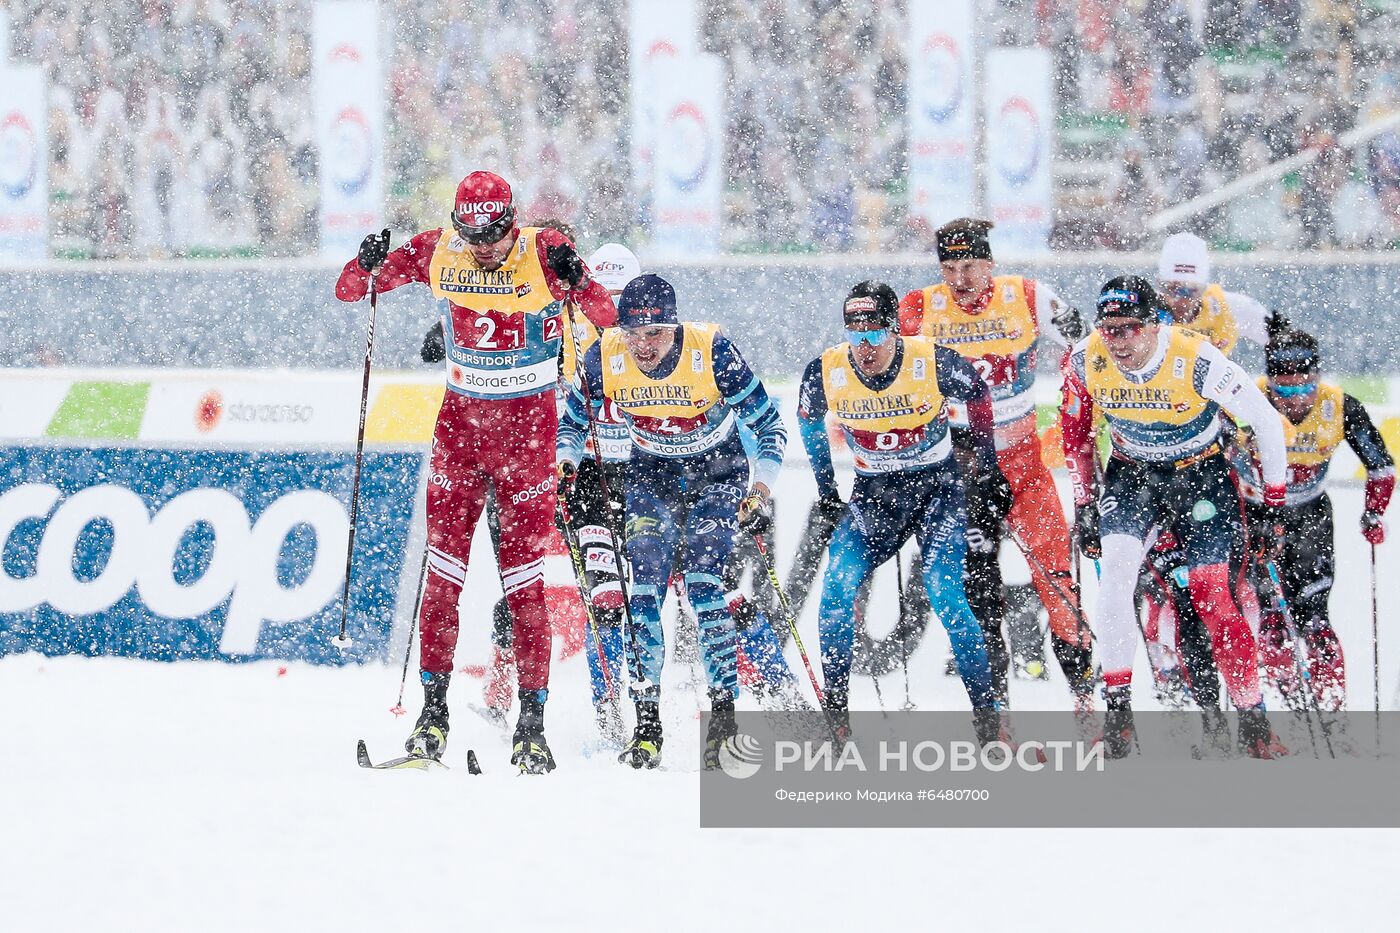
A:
[987,724]
[1119,730]
[429,736]
[644,750]
[530,752]
[1257,739]
[722,728]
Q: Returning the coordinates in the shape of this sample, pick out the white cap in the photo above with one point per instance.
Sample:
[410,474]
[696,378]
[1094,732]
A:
[1184,258]
[614,265]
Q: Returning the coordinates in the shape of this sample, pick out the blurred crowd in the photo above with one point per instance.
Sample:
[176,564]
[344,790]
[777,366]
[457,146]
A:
[183,127]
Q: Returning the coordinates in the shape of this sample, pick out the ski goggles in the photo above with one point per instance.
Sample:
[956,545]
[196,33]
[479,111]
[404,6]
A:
[1124,329]
[871,338]
[1306,388]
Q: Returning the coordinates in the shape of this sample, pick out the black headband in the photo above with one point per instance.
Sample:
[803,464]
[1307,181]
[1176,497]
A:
[1290,360]
[962,243]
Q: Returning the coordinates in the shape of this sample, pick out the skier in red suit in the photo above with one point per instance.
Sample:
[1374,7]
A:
[501,291]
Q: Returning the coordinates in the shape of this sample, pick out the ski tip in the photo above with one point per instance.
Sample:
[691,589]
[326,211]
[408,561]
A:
[472,766]
[362,755]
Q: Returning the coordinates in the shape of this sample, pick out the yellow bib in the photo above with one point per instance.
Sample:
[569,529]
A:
[1005,329]
[687,391]
[900,427]
[1313,441]
[502,328]
[1215,321]
[1168,397]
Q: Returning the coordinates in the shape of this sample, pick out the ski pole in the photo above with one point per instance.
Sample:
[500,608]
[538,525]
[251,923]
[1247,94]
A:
[899,627]
[1375,652]
[1308,698]
[398,709]
[576,554]
[341,640]
[787,613]
[1070,604]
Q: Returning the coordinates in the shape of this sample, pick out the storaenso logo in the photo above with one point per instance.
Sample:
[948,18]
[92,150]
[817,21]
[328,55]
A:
[242,564]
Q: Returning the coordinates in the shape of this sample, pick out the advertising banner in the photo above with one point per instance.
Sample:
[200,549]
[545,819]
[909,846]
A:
[349,105]
[182,554]
[688,174]
[24,178]
[657,33]
[941,108]
[1020,117]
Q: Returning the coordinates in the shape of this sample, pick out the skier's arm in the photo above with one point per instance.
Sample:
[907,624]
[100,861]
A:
[811,423]
[911,313]
[746,395]
[592,298]
[1077,429]
[408,263]
[1222,381]
[1366,440]
[1060,320]
[958,380]
[584,392]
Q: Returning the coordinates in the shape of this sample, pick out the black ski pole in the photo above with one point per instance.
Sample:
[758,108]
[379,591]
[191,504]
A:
[576,554]
[1308,696]
[1375,651]
[341,640]
[899,627]
[398,708]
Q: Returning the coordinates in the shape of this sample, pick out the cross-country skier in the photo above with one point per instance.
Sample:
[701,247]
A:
[595,515]
[1161,389]
[1175,635]
[890,395]
[1191,300]
[681,388]
[995,322]
[1321,416]
[500,288]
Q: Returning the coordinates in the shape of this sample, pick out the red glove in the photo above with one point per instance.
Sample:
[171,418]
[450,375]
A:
[1275,494]
[1372,527]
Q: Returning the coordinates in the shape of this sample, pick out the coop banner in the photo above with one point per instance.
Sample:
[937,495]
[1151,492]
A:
[941,108]
[349,101]
[174,555]
[657,34]
[688,170]
[24,183]
[1020,119]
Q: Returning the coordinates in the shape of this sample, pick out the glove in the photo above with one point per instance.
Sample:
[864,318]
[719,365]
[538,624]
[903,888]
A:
[994,489]
[1372,527]
[374,249]
[1069,322]
[1275,494]
[1086,530]
[565,262]
[567,474]
[1265,530]
[830,507]
[754,515]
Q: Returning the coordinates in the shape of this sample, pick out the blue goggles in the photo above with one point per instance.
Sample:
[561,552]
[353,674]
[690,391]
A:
[871,338]
[1306,388]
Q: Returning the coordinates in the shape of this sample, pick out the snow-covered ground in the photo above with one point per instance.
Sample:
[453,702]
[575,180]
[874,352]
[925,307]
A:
[153,797]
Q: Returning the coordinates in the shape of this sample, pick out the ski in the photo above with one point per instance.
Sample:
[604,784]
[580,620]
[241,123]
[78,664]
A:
[410,762]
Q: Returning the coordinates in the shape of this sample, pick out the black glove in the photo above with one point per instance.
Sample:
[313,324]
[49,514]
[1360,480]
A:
[567,475]
[434,348]
[830,507]
[1265,530]
[565,262]
[1086,530]
[374,249]
[755,515]
[993,488]
[1069,322]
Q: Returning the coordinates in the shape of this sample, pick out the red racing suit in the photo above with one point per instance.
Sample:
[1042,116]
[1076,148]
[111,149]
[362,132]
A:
[502,330]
